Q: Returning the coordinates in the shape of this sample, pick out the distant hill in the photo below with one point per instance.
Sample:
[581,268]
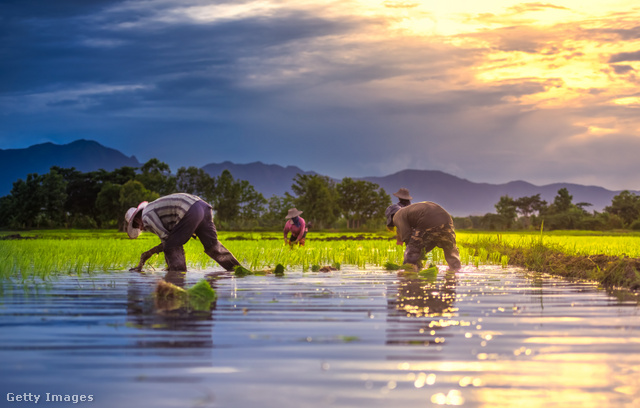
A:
[268,179]
[84,155]
[459,196]
[462,197]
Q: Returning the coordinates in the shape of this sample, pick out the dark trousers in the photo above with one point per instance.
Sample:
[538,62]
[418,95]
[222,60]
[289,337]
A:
[442,236]
[199,221]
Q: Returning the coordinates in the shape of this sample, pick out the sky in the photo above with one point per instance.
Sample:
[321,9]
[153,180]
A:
[489,91]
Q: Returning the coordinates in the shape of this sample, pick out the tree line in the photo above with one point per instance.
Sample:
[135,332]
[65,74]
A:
[532,212]
[68,198]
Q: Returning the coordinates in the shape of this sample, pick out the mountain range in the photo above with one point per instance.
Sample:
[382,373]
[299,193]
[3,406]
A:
[459,196]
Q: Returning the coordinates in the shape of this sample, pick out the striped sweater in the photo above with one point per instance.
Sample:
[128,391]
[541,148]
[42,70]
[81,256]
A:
[161,215]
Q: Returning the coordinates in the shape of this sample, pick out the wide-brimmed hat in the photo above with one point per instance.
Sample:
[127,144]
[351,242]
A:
[293,213]
[403,194]
[130,215]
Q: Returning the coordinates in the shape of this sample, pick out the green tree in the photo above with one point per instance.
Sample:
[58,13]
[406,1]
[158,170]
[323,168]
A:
[236,200]
[108,204]
[528,206]
[54,197]
[625,205]
[82,190]
[195,181]
[118,176]
[252,202]
[360,200]
[27,201]
[7,211]
[316,195]
[564,214]
[37,201]
[156,176]
[277,209]
[563,202]
[506,208]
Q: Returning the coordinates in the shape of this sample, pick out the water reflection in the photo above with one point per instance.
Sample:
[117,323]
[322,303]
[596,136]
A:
[420,309]
[147,310]
[486,337]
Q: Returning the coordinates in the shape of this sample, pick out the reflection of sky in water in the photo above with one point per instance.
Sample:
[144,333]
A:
[483,337]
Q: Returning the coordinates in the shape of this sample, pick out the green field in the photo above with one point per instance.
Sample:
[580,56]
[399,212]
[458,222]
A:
[84,251]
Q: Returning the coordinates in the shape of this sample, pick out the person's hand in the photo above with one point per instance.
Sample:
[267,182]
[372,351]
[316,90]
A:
[143,259]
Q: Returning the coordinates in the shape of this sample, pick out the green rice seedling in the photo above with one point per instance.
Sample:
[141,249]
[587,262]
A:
[82,252]
[431,272]
[241,271]
[172,297]
[201,295]
[504,261]
[279,270]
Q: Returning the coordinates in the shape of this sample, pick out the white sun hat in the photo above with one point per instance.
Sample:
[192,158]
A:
[130,215]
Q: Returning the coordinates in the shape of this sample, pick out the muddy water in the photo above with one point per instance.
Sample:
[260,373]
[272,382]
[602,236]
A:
[482,337]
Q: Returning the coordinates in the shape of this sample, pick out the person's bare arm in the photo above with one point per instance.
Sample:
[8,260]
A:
[146,255]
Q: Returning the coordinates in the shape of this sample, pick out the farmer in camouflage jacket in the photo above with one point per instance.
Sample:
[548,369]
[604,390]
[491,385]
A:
[424,226]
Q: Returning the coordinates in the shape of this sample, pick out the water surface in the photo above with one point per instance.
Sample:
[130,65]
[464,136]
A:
[350,338]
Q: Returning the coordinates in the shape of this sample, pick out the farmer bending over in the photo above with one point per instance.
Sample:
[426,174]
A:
[296,226]
[404,199]
[174,219]
[424,225]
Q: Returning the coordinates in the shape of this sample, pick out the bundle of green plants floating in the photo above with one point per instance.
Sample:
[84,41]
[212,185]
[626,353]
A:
[170,297]
[429,273]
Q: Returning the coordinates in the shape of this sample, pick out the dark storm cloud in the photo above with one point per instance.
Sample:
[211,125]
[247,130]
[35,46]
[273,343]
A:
[622,69]
[615,34]
[625,57]
[320,85]
[61,51]
[33,9]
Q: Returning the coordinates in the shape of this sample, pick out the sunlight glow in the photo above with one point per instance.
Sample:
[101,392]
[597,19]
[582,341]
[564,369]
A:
[566,45]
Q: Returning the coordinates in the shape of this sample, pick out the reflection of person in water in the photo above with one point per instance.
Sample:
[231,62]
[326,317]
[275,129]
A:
[417,303]
[146,311]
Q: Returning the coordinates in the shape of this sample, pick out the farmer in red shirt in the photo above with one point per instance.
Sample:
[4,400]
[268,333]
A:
[296,226]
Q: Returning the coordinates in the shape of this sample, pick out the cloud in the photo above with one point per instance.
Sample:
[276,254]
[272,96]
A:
[625,56]
[400,4]
[529,7]
[622,69]
[330,87]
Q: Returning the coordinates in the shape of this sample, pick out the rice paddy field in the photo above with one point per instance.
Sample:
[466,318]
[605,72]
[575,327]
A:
[77,328]
[77,252]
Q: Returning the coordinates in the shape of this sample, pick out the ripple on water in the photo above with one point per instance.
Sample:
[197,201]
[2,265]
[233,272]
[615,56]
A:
[481,337]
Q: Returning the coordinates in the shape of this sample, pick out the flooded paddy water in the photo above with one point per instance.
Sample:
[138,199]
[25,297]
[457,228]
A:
[484,336]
